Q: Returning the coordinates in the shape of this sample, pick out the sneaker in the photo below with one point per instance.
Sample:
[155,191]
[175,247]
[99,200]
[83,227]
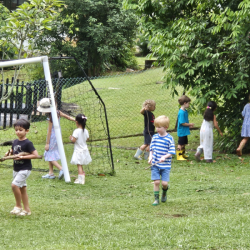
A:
[24,213]
[76,181]
[197,156]
[61,174]
[16,210]
[48,176]
[209,161]
[156,202]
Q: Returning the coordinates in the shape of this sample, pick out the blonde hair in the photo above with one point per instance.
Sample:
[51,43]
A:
[162,121]
[184,99]
[149,104]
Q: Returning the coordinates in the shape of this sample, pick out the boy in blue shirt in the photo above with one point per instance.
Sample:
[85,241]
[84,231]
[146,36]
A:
[161,150]
[183,127]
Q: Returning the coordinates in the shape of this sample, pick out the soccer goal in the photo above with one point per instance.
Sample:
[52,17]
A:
[71,96]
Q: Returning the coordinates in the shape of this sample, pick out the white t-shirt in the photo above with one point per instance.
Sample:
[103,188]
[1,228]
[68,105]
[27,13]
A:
[81,138]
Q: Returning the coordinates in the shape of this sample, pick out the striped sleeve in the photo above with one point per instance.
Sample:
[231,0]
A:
[172,147]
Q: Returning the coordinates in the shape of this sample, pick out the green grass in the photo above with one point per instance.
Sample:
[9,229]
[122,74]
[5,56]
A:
[207,208]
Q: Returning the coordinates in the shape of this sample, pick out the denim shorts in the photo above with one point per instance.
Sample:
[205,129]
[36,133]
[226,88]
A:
[147,138]
[160,173]
[19,178]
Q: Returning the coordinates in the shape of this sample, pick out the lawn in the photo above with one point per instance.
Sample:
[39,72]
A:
[207,208]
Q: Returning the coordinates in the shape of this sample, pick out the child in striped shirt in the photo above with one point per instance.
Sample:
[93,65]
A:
[162,148]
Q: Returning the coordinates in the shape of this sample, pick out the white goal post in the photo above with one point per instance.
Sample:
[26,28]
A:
[45,61]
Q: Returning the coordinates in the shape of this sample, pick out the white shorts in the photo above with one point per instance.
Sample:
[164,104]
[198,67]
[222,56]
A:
[19,178]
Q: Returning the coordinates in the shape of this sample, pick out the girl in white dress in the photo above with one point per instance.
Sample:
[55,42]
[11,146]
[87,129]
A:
[81,154]
[206,133]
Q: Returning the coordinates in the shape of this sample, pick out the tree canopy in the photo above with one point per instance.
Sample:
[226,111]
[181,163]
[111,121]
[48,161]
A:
[204,47]
[98,33]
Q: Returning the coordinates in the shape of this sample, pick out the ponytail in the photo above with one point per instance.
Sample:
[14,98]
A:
[209,112]
[81,119]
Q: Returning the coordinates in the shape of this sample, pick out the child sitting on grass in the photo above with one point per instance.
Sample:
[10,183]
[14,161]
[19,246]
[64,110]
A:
[22,167]
[162,148]
[147,107]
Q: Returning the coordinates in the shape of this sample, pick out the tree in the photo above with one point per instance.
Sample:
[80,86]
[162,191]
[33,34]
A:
[204,47]
[25,25]
[98,33]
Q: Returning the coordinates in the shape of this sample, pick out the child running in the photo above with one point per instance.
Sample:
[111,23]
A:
[206,133]
[162,148]
[147,107]
[245,131]
[22,167]
[51,153]
[183,127]
[81,154]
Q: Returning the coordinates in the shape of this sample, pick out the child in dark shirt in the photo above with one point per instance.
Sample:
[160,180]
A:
[149,128]
[22,167]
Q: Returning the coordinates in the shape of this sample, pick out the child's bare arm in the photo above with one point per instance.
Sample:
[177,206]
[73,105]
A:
[216,126]
[72,138]
[164,157]
[32,155]
[187,124]
[48,136]
[142,110]
[66,116]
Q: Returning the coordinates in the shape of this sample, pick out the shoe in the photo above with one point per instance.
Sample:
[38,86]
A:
[16,210]
[48,176]
[179,154]
[184,155]
[24,213]
[239,152]
[156,203]
[138,154]
[61,174]
[76,181]
[146,155]
[209,161]
[197,156]
[164,198]
[81,179]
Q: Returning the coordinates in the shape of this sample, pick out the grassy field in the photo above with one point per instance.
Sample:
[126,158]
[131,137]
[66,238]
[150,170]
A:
[207,208]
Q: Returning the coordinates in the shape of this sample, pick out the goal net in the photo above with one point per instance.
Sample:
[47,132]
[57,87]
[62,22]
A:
[71,96]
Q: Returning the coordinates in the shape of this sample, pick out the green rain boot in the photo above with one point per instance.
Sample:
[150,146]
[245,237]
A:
[156,202]
[164,195]
[146,155]
[138,154]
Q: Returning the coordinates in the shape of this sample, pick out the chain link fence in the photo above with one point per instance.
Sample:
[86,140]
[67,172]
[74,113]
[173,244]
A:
[121,95]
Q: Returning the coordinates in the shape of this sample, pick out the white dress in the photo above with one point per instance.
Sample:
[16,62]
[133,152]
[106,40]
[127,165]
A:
[81,154]
[206,139]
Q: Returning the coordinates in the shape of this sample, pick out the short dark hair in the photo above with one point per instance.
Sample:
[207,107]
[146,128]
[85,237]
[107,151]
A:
[22,123]
[184,99]
[81,119]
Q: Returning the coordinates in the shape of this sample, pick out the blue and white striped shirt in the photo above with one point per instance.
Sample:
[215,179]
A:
[162,145]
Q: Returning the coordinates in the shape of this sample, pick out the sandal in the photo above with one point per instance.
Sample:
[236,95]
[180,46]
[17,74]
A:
[24,213]
[16,210]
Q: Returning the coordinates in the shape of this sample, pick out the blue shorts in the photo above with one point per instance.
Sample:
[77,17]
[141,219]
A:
[160,173]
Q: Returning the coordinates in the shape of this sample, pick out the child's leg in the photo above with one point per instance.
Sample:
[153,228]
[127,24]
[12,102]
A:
[165,175]
[81,175]
[56,164]
[143,147]
[156,192]
[139,152]
[80,170]
[241,146]
[25,199]
[17,193]
[51,172]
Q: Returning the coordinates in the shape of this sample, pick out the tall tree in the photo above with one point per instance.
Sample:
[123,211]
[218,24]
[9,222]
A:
[204,47]
[98,33]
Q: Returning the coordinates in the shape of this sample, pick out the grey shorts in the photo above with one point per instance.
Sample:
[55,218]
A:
[19,178]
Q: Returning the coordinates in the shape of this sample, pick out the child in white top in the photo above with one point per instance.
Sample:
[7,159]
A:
[81,154]
[206,133]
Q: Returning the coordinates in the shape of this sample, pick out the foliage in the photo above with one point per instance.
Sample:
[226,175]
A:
[204,45]
[98,33]
[23,28]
